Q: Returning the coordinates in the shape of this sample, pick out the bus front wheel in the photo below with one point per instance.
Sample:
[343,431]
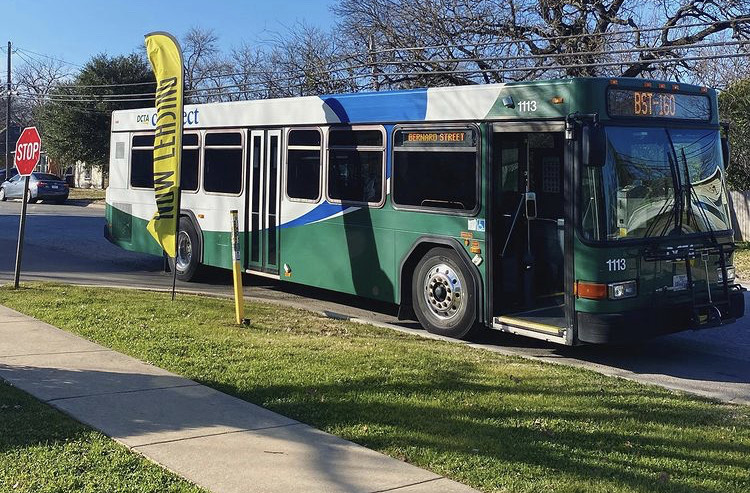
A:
[188,256]
[443,294]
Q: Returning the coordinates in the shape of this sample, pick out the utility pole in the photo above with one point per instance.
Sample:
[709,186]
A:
[7,121]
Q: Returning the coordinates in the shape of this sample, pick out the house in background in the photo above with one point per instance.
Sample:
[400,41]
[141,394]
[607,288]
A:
[87,176]
[78,175]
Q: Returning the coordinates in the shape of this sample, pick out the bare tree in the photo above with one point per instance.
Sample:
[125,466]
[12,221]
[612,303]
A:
[721,67]
[34,80]
[204,67]
[445,42]
[246,73]
[306,60]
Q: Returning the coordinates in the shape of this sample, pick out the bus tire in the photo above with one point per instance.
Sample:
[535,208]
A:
[188,255]
[443,294]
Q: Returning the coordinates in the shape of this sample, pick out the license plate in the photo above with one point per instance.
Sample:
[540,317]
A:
[55,187]
[679,282]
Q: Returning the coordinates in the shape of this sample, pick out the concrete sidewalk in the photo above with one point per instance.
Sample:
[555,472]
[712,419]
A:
[219,442]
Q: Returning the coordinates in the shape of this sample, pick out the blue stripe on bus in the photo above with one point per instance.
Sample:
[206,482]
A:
[321,211]
[374,107]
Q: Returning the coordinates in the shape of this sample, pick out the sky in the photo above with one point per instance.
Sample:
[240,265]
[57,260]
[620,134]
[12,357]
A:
[75,30]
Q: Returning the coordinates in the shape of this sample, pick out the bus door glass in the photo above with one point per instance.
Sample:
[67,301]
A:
[529,222]
[263,200]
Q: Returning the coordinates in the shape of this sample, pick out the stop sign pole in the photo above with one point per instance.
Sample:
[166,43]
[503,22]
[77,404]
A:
[28,151]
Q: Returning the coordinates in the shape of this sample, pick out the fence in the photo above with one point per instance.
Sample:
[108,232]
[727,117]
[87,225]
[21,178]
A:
[739,207]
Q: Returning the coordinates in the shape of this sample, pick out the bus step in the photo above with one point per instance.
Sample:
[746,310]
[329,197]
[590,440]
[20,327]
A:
[527,328]
[549,321]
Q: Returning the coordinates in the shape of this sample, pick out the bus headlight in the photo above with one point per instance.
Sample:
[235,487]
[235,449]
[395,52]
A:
[622,290]
[730,274]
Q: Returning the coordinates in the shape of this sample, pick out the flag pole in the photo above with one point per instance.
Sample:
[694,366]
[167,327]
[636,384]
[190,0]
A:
[165,56]
[177,230]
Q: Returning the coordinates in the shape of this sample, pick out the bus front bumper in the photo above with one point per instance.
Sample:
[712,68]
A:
[631,326]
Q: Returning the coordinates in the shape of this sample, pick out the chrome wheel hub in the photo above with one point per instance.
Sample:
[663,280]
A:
[184,251]
[443,291]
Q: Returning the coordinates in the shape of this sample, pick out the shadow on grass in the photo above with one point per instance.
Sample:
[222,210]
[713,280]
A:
[449,422]
[621,443]
[143,409]
[26,422]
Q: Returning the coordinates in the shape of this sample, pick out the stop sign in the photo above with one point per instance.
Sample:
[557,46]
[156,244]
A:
[28,150]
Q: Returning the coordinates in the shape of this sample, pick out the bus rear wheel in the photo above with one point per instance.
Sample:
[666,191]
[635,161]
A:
[188,255]
[443,294]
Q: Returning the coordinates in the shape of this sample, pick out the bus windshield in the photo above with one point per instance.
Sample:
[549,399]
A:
[656,182]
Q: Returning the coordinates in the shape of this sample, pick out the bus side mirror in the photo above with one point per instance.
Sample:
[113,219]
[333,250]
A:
[592,146]
[725,151]
[530,205]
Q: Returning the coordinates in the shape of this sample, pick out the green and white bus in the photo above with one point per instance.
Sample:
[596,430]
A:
[583,210]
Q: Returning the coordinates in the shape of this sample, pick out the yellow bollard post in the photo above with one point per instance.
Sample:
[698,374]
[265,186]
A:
[239,302]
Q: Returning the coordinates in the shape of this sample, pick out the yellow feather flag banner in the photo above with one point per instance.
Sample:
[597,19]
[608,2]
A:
[166,60]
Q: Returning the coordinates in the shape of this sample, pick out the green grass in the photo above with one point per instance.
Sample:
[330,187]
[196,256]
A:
[497,423]
[742,261]
[89,194]
[41,450]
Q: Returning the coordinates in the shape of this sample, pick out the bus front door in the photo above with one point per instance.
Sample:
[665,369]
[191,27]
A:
[262,201]
[528,238]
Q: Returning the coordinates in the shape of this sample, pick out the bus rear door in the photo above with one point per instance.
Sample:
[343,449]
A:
[262,201]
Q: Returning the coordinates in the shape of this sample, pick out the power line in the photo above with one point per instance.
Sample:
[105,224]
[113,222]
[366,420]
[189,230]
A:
[248,86]
[381,64]
[539,39]
[149,95]
[20,54]
[124,84]
[739,20]
[219,91]
[30,52]
[646,50]
[251,86]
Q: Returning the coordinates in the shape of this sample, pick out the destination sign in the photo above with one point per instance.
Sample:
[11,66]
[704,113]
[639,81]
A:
[458,138]
[651,104]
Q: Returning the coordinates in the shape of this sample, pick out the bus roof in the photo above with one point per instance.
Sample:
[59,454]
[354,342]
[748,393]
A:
[547,99]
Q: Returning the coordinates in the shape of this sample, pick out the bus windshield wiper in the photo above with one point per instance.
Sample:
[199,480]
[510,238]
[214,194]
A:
[692,197]
[676,201]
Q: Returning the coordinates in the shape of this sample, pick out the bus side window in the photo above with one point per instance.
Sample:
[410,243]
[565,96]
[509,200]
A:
[436,169]
[189,163]
[222,162]
[303,165]
[355,166]
[142,162]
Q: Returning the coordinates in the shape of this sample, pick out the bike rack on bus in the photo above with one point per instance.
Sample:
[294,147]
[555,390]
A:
[710,308]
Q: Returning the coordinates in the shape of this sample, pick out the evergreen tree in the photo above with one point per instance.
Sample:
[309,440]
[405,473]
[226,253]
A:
[77,116]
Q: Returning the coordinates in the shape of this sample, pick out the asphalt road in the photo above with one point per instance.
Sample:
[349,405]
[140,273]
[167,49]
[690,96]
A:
[66,244]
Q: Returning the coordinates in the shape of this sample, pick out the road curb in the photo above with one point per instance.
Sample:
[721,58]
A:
[552,359]
[85,203]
